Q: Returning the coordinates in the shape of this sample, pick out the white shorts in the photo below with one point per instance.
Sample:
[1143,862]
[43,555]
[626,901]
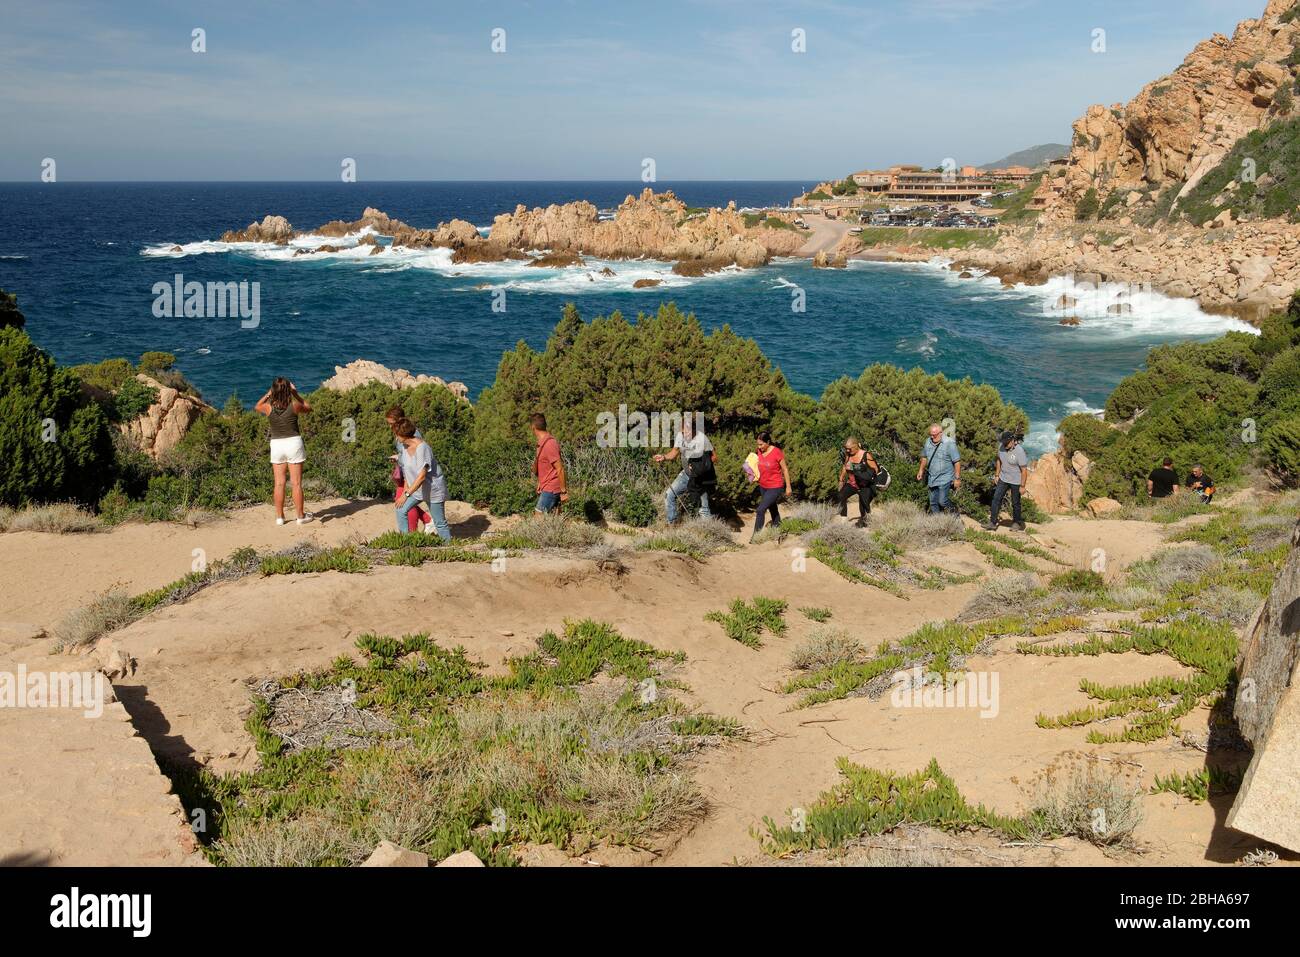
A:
[288,451]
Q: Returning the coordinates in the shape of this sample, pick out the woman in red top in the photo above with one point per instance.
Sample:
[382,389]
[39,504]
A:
[773,481]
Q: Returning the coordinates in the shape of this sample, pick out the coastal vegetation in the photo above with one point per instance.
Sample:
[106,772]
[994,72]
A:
[1271,157]
[929,237]
[1088,206]
[1016,209]
[56,443]
[1229,404]
[869,802]
[413,743]
[587,369]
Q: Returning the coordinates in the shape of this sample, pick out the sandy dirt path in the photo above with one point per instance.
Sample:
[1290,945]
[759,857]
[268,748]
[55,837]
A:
[826,234]
[189,693]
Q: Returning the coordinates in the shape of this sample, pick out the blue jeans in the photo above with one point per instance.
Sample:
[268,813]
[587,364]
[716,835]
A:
[939,501]
[678,488]
[547,501]
[999,493]
[437,510]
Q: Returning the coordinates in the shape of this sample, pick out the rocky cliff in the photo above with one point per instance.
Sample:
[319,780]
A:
[1181,126]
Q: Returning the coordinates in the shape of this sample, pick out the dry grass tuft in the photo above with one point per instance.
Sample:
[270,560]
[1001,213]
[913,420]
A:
[60,518]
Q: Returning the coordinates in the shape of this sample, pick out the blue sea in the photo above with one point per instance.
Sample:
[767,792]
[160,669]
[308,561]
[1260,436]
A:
[83,259]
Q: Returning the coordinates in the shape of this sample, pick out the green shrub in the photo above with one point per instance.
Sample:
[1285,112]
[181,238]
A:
[1088,206]
[10,315]
[635,508]
[106,376]
[1280,381]
[133,399]
[1191,402]
[746,623]
[39,401]
[1279,447]
[1079,579]
[890,410]
[1085,433]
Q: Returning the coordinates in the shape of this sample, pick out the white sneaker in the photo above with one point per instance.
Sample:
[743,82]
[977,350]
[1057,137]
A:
[279,521]
[307,517]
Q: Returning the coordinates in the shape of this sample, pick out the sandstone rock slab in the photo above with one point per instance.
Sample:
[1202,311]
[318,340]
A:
[388,854]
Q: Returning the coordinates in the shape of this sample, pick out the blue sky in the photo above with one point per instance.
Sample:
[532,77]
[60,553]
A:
[585,90]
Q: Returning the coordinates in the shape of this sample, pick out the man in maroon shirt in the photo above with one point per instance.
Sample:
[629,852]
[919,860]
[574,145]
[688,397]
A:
[552,488]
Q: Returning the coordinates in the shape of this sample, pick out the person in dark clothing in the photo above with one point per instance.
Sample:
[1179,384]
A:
[857,477]
[1201,483]
[1013,471]
[1162,482]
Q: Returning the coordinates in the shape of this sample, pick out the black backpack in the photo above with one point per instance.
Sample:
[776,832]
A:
[703,477]
[863,473]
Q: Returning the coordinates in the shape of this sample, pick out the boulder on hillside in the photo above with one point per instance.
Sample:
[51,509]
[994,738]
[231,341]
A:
[388,854]
[1253,273]
[1056,482]
[363,371]
[113,661]
[1267,709]
[160,427]
[462,859]
[1103,506]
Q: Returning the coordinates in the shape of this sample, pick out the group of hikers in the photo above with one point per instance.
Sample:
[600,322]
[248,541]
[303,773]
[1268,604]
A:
[420,481]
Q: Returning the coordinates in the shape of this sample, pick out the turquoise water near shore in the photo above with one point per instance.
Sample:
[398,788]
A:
[84,258]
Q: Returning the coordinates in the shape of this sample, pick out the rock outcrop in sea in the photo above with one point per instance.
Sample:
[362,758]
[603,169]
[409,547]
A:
[363,371]
[651,225]
[1248,270]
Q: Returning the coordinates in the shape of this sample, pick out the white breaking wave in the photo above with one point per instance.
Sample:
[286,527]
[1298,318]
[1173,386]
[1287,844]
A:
[1129,310]
[921,345]
[1110,309]
[347,245]
[1045,436]
[595,275]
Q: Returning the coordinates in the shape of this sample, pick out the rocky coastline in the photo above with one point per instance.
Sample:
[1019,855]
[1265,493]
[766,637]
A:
[651,225]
